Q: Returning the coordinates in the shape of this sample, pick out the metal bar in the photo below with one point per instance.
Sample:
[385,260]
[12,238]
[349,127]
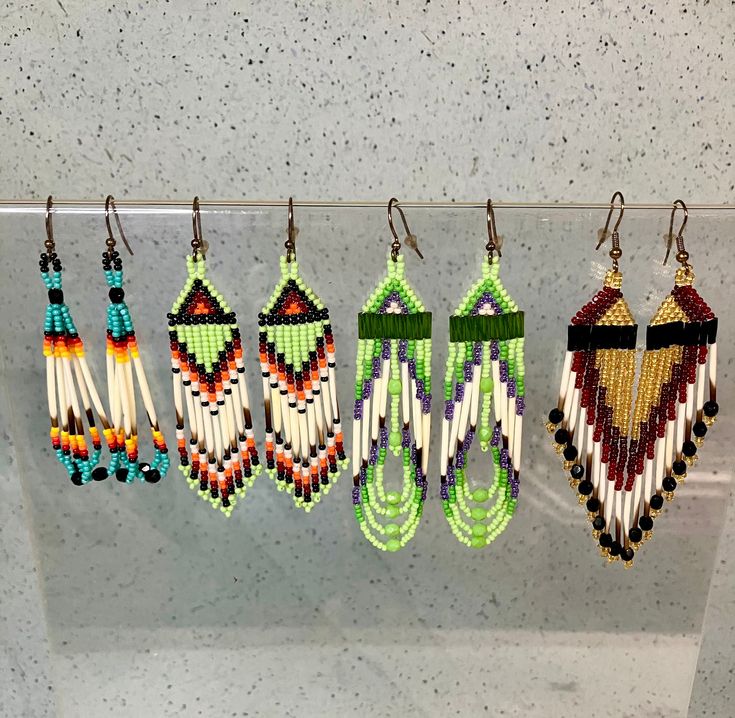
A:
[93,206]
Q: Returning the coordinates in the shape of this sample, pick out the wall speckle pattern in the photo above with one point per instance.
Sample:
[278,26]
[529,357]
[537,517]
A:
[111,602]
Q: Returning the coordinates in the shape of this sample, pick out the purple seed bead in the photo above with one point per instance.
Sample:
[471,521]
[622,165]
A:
[383,437]
[412,368]
[504,458]
[460,459]
[419,388]
[367,388]
[444,491]
[468,371]
[403,351]
[373,454]
[355,494]
[503,371]
[386,349]
[468,439]
[494,350]
[405,438]
[426,404]
[495,441]
[358,410]
[520,405]
[363,476]
[477,354]
[459,392]
[511,388]
[451,476]
[448,409]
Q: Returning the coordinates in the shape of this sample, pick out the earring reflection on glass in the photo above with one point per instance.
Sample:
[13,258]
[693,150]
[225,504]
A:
[303,433]
[591,421]
[393,371]
[485,375]
[671,415]
[72,395]
[209,378]
[124,367]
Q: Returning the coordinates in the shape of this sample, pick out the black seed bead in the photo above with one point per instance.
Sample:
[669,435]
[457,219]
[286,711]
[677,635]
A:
[605,540]
[680,467]
[76,478]
[585,487]
[561,436]
[627,554]
[225,502]
[656,502]
[699,429]
[598,524]
[570,453]
[56,296]
[121,474]
[615,548]
[689,448]
[593,505]
[556,416]
[711,408]
[153,476]
[116,295]
[646,523]
[100,473]
[669,483]
[635,534]
[577,471]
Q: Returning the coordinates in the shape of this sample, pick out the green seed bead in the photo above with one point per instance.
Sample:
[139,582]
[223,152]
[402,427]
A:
[479,495]
[393,498]
[394,439]
[392,512]
[479,530]
[478,514]
[486,385]
[485,434]
[393,545]
[478,542]
[394,387]
[392,529]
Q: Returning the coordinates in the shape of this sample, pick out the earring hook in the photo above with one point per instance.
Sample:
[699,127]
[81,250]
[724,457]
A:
[682,256]
[197,243]
[615,251]
[494,241]
[110,202]
[50,244]
[410,240]
[290,243]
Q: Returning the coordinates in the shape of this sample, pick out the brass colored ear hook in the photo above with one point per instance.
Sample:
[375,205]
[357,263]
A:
[494,241]
[49,243]
[682,256]
[110,202]
[410,240]
[292,232]
[602,234]
[197,243]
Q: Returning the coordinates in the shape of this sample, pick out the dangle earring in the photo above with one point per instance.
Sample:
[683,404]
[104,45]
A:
[122,357]
[393,358]
[303,435]
[485,373]
[68,378]
[590,423]
[671,416]
[209,371]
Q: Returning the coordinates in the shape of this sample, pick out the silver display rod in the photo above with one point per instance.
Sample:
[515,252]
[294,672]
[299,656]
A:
[92,206]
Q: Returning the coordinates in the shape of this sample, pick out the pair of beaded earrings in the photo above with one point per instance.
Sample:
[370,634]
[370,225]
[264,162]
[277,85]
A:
[303,437]
[483,386]
[626,454]
[73,398]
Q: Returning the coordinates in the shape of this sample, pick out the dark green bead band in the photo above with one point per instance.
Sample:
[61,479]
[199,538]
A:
[394,326]
[487,327]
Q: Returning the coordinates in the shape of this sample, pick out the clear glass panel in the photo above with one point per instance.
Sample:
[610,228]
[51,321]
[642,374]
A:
[153,599]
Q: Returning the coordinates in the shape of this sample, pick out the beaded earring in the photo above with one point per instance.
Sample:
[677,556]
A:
[122,358]
[671,416]
[485,372]
[304,446]
[209,376]
[591,421]
[68,378]
[393,358]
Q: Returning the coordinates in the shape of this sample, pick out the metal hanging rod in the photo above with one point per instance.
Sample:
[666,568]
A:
[146,206]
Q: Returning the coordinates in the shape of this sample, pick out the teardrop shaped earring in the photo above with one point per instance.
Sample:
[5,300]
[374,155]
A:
[124,367]
[485,375]
[209,377]
[68,377]
[591,421]
[393,359]
[671,415]
[304,447]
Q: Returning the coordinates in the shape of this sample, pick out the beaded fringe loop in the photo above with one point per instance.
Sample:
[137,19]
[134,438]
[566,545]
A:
[303,435]
[122,357]
[209,377]
[622,461]
[393,359]
[68,379]
[485,372]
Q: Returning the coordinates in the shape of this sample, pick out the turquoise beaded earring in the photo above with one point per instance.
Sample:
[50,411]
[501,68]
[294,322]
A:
[209,377]
[68,378]
[304,447]
[124,368]
[393,359]
[485,375]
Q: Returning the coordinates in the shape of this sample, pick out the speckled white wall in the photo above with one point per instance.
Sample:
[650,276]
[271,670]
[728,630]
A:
[338,100]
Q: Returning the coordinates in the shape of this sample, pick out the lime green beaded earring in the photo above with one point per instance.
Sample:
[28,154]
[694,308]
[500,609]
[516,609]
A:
[393,359]
[209,377]
[485,374]
[304,447]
